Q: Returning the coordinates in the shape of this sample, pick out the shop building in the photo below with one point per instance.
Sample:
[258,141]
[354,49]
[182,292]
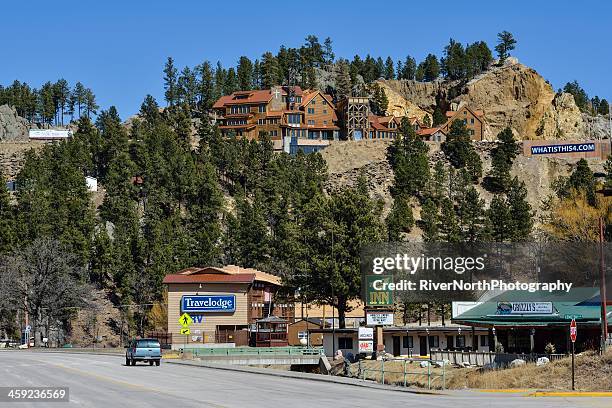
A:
[225,304]
[524,322]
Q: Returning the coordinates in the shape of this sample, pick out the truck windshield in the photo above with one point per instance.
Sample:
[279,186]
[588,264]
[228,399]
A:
[147,344]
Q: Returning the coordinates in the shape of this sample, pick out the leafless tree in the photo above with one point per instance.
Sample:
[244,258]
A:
[46,282]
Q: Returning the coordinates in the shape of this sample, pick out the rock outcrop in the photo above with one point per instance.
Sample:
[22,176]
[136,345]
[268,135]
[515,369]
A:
[400,106]
[512,95]
[12,127]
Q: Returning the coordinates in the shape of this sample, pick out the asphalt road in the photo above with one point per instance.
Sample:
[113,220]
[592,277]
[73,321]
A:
[104,381]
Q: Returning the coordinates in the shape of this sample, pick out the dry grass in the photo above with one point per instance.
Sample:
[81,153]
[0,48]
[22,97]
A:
[593,373]
[416,376]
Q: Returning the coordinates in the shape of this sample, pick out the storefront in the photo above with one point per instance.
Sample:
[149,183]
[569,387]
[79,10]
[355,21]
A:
[224,303]
[523,322]
[409,341]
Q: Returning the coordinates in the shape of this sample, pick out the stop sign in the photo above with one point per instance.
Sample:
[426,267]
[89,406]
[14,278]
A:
[573,331]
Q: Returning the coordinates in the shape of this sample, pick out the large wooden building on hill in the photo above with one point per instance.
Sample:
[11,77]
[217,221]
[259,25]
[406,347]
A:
[293,118]
[308,120]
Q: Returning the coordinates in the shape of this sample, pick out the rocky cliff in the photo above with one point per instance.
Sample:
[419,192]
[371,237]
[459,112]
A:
[12,127]
[512,95]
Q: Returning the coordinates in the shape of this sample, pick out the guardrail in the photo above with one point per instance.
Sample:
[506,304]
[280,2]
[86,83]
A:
[405,372]
[481,358]
[254,351]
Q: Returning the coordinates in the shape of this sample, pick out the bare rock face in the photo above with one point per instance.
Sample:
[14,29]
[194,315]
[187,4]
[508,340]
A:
[512,95]
[562,120]
[422,94]
[399,106]
[12,127]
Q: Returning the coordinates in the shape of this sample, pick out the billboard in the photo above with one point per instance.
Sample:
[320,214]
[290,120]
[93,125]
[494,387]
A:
[208,303]
[379,318]
[520,308]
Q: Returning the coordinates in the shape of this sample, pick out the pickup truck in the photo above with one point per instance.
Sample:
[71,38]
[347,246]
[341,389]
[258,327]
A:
[143,350]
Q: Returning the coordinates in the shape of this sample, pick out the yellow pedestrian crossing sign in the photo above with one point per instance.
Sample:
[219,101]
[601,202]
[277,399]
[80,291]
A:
[185,320]
[185,330]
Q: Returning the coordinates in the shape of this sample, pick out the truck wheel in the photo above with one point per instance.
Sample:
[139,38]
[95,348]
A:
[133,362]
[151,362]
[157,363]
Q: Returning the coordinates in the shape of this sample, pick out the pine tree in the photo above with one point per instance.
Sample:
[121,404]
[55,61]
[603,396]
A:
[170,82]
[431,69]
[505,44]
[389,69]
[459,150]
[206,86]
[328,53]
[449,226]
[408,156]
[438,117]
[62,91]
[426,120]
[343,79]
[471,215]
[400,219]
[502,157]
[7,233]
[78,96]
[501,219]
[410,68]
[454,64]
[245,74]
[429,221]
[91,106]
[378,102]
[520,210]
[269,70]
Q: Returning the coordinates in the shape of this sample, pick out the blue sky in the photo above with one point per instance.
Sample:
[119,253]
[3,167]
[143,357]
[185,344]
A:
[118,48]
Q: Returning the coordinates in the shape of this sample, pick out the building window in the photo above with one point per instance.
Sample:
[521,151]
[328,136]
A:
[484,340]
[408,343]
[465,121]
[325,122]
[434,341]
[311,111]
[460,341]
[262,108]
[345,343]
[302,335]
[311,122]
[472,132]
[298,99]
[313,101]
[293,118]
[472,121]
[465,112]
[261,121]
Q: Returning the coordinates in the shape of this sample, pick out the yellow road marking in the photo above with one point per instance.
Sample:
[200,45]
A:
[570,394]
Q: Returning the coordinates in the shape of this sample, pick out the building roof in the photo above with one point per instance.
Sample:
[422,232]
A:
[429,131]
[251,97]
[564,307]
[209,278]
[232,270]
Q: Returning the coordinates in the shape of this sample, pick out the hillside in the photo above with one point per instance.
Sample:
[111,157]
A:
[512,95]
[346,160]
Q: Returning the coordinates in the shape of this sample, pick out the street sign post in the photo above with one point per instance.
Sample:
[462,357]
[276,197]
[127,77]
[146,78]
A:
[185,321]
[573,335]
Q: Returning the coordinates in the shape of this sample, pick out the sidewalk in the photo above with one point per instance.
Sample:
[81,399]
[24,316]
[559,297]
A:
[303,376]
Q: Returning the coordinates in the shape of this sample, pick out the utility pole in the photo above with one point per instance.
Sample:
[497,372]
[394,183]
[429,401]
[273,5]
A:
[602,288]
